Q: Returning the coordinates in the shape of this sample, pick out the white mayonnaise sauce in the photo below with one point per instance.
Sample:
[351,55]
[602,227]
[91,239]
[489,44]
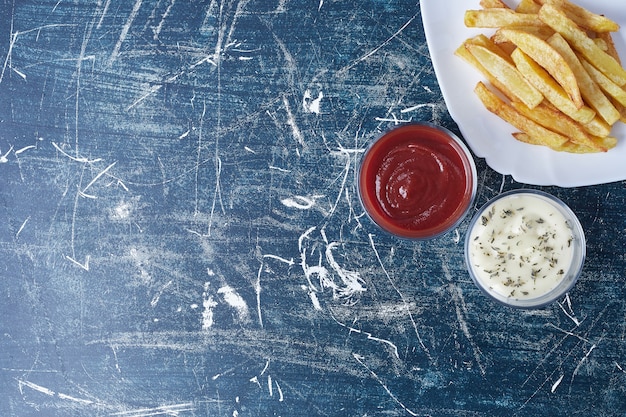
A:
[521,247]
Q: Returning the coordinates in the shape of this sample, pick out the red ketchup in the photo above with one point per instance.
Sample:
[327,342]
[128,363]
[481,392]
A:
[417,181]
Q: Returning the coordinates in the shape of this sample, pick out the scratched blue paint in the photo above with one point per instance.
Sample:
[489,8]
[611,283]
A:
[151,263]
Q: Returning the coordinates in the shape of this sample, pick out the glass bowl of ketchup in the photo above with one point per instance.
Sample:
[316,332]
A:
[417,181]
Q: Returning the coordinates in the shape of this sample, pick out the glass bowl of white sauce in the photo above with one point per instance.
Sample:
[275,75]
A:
[525,248]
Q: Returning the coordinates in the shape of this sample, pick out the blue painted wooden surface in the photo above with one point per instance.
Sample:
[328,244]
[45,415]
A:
[180,232]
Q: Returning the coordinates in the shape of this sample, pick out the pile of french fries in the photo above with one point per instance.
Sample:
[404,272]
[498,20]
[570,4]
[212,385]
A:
[553,72]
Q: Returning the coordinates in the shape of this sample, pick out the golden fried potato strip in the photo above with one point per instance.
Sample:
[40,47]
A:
[583,17]
[592,94]
[550,118]
[498,17]
[550,89]
[506,73]
[549,58]
[580,41]
[497,106]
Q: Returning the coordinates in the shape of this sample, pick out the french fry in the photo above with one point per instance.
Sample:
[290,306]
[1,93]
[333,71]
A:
[579,40]
[464,53]
[506,73]
[486,42]
[506,46]
[498,17]
[497,106]
[607,38]
[608,86]
[588,88]
[547,57]
[583,17]
[598,127]
[601,44]
[550,118]
[570,147]
[607,142]
[550,89]
[528,6]
[543,32]
[493,4]
[611,50]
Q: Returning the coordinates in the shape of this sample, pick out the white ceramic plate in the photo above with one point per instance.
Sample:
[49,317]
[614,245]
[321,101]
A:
[487,135]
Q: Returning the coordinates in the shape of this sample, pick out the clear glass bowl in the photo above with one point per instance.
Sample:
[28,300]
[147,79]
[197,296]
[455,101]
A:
[417,181]
[525,248]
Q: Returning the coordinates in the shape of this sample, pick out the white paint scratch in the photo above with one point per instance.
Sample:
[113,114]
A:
[236,301]
[379,47]
[569,312]
[279,169]
[35,387]
[7,59]
[346,172]
[265,368]
[556,384]
[3,158]
[105,9]
[256,381]
[567,332]
[162,410]
[393,119]
[124,32]
[289,261]
[352,281]
[157,296]
[369,336]
[144,96]
[281,397]
[457,236]
[405,303]
[432,106]
[74,399]
[314,300]
[22,227]
[217,192]
[100,174]
[311,105]
[157,30]
[208,304]
[257,290]
[84,265]
[300,202]
[51,393]
[361,360]
[583,360]
[77,159]
[461,311]
[24,149]
[291,122]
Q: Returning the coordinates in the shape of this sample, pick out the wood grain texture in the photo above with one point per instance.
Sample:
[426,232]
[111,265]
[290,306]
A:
[180,232]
